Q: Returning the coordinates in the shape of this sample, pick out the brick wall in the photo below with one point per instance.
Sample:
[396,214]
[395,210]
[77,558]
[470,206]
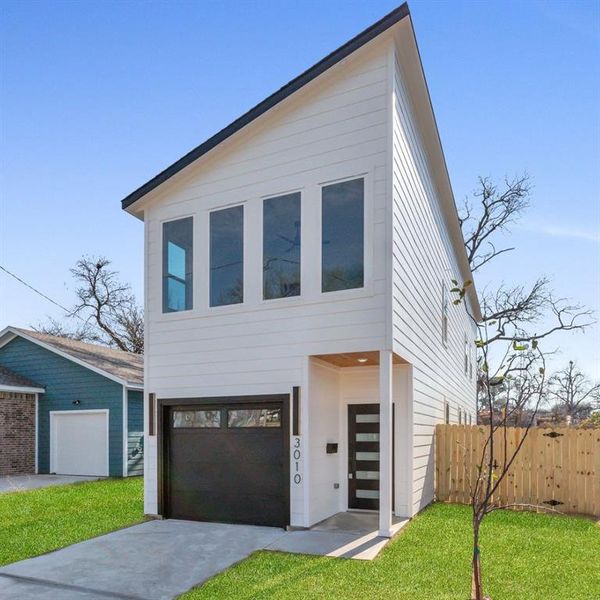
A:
[17,433]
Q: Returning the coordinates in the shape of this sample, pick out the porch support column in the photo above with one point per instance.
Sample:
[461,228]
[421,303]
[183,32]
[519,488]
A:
[385,443]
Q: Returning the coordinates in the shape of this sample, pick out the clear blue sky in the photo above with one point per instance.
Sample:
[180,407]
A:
[97,97]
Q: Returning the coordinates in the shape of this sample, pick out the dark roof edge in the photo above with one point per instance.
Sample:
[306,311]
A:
[287,90]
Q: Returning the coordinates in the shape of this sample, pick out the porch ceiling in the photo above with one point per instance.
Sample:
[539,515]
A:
[356,359]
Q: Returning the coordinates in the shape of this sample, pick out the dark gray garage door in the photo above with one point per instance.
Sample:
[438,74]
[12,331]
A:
[228,462]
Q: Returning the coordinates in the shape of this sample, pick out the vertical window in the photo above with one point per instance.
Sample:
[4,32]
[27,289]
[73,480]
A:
[342,236]
[471,361]
[177,265]
[445,309]
[281,246]
[227,256]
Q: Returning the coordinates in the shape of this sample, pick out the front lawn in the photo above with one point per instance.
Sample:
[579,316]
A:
[37,521]
[525,556]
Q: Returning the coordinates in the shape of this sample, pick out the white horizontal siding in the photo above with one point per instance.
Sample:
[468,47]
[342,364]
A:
[335,128]
[423,258]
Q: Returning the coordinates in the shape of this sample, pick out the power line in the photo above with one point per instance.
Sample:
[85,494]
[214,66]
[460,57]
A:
[35,290]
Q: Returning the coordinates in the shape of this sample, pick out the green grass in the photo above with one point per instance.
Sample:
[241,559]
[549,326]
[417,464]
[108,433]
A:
[37,521]
[525,556]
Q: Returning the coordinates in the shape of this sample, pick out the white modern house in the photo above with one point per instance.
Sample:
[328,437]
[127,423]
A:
[301,340]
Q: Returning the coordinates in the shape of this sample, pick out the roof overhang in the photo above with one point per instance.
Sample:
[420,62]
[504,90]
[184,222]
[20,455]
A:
[9,333]
[267,104]
[20,389]
[414,76]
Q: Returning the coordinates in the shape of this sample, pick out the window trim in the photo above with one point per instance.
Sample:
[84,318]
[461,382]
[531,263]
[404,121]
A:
[162,275]
[367,287]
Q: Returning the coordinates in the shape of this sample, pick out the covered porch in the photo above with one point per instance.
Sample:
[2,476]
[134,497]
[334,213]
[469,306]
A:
[358,449]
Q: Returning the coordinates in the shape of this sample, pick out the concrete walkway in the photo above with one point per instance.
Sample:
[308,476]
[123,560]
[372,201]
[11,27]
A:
[344,535]
[18,483]
[157,560]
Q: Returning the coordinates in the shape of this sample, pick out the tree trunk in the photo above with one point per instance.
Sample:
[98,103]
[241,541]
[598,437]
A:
[476,588]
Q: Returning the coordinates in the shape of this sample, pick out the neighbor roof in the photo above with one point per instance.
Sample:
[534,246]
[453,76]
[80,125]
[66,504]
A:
[287,90]
[12,380]
[124,367]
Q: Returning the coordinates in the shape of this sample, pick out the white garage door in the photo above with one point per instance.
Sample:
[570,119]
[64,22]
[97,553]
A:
[79,442]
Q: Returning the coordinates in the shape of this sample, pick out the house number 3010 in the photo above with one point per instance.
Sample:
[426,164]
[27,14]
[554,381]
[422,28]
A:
[297,460]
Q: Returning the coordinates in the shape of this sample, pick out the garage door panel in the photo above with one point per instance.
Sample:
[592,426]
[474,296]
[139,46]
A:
[227,447]
[228,480]
[234,508]
[229,474]
[79,443]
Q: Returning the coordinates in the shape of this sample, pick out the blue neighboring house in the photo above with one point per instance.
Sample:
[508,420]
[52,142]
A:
[83,401]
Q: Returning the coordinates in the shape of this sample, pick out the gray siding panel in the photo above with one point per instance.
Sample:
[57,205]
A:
[66,382]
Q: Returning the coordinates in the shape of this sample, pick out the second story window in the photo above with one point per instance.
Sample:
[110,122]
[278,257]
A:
[227,256]
[445,311]
[177,262]
[342,235]
[281,246]
[470,361]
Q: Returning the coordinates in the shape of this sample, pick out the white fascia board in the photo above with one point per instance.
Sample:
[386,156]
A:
[20,389]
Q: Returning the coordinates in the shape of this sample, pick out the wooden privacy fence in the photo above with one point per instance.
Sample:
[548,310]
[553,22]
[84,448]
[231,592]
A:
[557,468]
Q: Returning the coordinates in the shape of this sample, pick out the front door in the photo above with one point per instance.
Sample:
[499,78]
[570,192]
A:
[363,456]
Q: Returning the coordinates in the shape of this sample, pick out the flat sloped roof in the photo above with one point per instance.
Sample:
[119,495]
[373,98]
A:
[281,94]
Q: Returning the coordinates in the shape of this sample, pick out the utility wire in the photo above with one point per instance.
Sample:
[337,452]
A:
[36,291]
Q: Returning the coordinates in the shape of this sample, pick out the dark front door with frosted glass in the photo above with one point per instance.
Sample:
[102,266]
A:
[363,456]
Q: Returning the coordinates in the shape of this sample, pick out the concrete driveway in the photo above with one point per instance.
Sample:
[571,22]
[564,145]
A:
[153,561]
[17,483]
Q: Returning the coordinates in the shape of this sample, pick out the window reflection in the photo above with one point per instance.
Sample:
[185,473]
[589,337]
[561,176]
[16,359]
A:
[197,418]
[254,417]
[227,256]
[342,238]
[177,265]
[281,246]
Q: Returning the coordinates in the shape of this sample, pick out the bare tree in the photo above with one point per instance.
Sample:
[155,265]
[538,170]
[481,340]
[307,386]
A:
[106,310]
[573,394]
[512,312]
[78,330]
[526,363]
[515,319]
[495,210]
